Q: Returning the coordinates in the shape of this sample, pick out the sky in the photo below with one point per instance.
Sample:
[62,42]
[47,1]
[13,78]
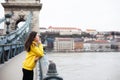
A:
[1,16]
[102,15]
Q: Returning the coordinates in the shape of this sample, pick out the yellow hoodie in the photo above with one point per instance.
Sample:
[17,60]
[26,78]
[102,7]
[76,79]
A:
[35,51]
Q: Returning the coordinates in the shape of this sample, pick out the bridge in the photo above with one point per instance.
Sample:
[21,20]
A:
[21,17]
[12,55]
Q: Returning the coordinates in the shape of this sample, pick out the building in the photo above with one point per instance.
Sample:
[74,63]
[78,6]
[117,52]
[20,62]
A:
[91,31]
[43,30]
[78,44]
[101,45]
[87,45]
[64,44]
[65,30]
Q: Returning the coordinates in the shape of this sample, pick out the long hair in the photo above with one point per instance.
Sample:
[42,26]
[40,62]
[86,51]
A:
[29,40]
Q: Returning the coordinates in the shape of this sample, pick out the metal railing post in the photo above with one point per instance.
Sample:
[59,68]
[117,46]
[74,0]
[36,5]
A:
[52,72]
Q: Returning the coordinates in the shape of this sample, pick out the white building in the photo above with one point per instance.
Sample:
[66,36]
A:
[64,44]
[97,45]
[87,46]
[91,31]
[101,45]
[65,30]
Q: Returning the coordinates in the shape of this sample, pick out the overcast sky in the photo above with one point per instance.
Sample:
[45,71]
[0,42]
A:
[102,15]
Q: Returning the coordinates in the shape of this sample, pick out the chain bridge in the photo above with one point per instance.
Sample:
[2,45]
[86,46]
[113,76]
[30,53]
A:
[21,17]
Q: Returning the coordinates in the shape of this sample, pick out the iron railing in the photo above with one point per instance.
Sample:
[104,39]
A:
[19,34]
[7,51]
[12,44]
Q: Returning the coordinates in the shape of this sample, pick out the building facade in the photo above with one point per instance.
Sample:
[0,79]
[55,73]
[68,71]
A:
[64,44]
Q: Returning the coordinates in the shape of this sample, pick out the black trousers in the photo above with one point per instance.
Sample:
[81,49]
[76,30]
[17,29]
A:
[27,74]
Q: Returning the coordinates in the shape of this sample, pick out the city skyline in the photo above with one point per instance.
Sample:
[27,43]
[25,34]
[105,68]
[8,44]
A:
[102,15]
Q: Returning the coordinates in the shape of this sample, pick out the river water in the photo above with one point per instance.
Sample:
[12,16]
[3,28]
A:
[87,65]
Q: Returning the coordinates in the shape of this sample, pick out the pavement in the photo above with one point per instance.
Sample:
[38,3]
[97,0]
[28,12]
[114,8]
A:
[12,69]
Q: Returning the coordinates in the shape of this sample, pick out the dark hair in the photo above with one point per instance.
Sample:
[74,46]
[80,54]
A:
[29,40]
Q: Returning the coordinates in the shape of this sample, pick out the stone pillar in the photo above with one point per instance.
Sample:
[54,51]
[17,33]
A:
[26,6]
[35,23]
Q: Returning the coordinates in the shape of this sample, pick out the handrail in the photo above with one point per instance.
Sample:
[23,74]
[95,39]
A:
[47,69]
[8,51]
[43,67]
[11,44]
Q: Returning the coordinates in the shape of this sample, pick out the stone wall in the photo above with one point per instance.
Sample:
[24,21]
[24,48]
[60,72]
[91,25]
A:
[23,1]
[24,8]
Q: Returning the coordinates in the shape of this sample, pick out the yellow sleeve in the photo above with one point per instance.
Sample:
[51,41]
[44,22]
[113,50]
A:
[38,50]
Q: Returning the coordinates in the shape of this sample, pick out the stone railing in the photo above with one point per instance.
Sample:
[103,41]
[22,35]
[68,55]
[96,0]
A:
[47,70]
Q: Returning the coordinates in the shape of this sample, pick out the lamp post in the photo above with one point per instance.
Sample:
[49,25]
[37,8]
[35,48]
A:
[7,18]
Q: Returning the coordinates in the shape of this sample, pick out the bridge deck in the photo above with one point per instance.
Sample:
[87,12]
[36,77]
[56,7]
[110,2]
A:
[12,70]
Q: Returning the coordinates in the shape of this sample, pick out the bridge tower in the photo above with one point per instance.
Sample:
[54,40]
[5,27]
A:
[21,9]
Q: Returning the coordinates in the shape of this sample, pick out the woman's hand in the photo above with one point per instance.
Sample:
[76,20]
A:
[39,42]
[37,58]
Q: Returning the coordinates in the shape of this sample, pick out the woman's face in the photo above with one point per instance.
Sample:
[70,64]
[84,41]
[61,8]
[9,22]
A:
[37,38]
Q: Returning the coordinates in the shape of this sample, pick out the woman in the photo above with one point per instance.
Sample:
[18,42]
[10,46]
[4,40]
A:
[34,49]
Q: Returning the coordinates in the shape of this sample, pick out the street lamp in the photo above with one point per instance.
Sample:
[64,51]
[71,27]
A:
[7,18]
